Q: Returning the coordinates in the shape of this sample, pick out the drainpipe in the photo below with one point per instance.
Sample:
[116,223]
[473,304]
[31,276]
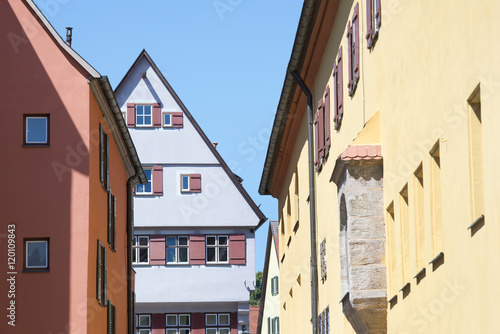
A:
[312,201]
[130,236]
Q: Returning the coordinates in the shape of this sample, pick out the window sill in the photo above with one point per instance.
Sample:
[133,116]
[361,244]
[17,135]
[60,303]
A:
[36,145]
[36,270]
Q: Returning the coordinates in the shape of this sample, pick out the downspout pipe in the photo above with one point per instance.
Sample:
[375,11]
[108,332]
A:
[312,201]
[130,236]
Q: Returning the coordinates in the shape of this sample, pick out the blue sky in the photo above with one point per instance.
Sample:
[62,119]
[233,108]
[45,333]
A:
[226,59]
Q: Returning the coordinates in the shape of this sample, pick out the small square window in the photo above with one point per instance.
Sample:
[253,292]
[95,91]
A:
[211,319]
[171,320]
[37,254]
[144,331]
[224,319]
[36,129]
[184,320]
[143,115]
[147,189]
[184,331]
[171,331]
[167,119]
[144,320]
[224,331]
[211,331]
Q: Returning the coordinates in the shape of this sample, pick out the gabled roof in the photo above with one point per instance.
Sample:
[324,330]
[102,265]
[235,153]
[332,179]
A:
[234,178]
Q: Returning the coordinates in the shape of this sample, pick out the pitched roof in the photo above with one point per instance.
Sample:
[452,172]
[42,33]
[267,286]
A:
[234,178]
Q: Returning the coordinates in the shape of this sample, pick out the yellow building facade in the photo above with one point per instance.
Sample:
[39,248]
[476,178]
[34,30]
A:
[404,197]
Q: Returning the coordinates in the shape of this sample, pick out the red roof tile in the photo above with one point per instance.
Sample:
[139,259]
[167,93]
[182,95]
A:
[254,318]
[362,152]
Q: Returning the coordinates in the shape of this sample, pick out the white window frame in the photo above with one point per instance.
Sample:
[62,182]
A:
[211,314]
[222,328]
[177,247]
[150,181]
[46,242]
[228,319]
[274,286]
[188,177]
[217,246]
[139,320]
[210,330]
[143,115]
[183,330]
[137,247]
[143,331]
[171,315]
[275,325]
[163,119]
[46,141]
[189,320]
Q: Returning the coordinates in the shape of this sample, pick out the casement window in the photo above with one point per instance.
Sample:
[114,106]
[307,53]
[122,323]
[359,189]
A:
[111,220]
[191,183]
[275,325]
[217,248]
[36,129]
[373,21]
[178,324]
[143,115]
[322,129]
[103,158]
[353,53]
[140,250]
[323,258]
[177,249]
[172,119]
[217,323]
[338,97]
[147,189]
[143,324]
[102,275]
[324,322]
[111,318]
[274,285]
[36,254]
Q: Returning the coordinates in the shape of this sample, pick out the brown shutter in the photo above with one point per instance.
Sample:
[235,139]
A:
[197,249]
[177,119]
[131,114]
[316,142]
[110,217]
[99,272]
[369,23]
[341,86]
[321,132]
[157,249]
[335,96]
[101,154]
[237,249]
[350,61]
[327,119]
[195,183]
[106,165]
[355,26]
[378,15]
[157,180]
[113,245]
[156,114]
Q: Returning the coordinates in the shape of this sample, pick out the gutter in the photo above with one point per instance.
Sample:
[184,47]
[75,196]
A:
[312,201]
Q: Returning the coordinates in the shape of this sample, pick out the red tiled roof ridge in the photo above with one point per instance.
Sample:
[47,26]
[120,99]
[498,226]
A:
[362,152]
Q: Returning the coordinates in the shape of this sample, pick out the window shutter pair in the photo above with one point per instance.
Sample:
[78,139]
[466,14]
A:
[353,55]
[157,249]
[197,249]
[373,21]
[338,91]
[103,158]
[177,117]
[195,183]
[112,220]
[158,180]
[102,275]
[237,249]
[111,318]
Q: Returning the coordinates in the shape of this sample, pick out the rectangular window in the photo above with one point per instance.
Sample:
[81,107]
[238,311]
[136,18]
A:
[323,258]
[36,254]
[143,115]
[338,90]
[211,331]
[373,21]
[102,275]
[274,286]
[143,324]
[185,183]
[171,320]
[276,325]
[111,220]
[184,320]
[184,331]
[211,319]
[147,189]
[353,54]
[103,158]
[217,249]
[36,129]
[143,331]
[177,249]
[191,183]
[224,319]
[167,119]
[214,320]
[140,250]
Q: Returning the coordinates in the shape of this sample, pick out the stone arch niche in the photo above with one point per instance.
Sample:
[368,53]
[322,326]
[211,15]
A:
[362,240]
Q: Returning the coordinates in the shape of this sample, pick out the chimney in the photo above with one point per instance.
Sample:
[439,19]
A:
[215,144]
[69,35]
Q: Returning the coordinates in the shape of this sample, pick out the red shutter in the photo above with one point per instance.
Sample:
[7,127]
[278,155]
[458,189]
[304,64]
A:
[369,23]
[321,132]
[195,183]
[349,58]
[157,180]
[156,114]
[197,250]
[237,249]
[316,142]
[355,26]
[177,119]
[378,15]
[327,118]
[158,323]
[234,323]
[335,97]
[157,249]
[130,114]
[198,323]
[341,87]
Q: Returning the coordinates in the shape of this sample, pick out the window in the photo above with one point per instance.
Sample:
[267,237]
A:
[36,129]
[274,286]
[324,322]
[191,183]
[36,255]
[143,115]
[275,325]
[224,319]
[323,259]
[219,321]
[167,119]
[111,220]
[147,189]
[211,319]
[171,320]
[353,54]
[140,250]
[103,158]
[321,132]
[177,249]
[373,21]
[144,324]
[102,275]
[111,318]
[217,249]
[338,91]
[181,322]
